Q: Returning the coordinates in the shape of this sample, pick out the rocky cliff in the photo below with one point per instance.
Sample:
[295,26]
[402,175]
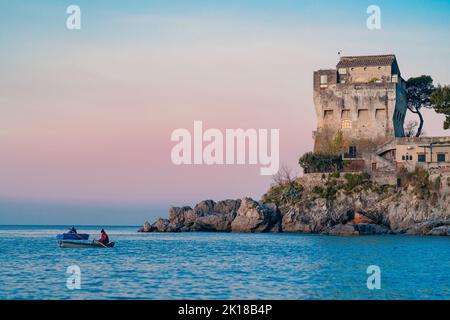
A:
[334,204]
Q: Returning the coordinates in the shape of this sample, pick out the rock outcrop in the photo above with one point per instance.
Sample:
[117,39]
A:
[328,206]
[253,216]
[205,216]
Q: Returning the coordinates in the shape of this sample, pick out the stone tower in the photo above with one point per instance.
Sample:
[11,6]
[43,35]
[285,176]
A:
[364,98]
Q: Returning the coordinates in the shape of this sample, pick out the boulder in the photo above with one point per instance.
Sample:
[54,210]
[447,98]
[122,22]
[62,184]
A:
[293,221]
[204,208]
[253,216]
[213,222]
[317,215]
[426,227]
[205,216]
[343,230]
[161,225]
[371,229]
[147,227]
[211,216]
[440,231]
[178,215]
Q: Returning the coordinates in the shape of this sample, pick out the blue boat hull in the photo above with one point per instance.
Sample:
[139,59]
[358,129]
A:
[72,236]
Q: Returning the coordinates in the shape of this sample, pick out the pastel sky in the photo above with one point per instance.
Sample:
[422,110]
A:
[86,115]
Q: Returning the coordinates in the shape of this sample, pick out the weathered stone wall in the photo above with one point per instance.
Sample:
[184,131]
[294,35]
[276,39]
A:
[365,74]
[364,112]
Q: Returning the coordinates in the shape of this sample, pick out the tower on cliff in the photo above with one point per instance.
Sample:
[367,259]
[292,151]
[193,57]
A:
[362,103]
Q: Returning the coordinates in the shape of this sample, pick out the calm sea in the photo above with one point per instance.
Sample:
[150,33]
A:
[222,266]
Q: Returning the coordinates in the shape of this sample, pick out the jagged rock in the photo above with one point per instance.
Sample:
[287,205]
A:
[343,230]
[205,216]
[371,229]
[204,208]
[146,228]
[315,216]
[361,218]
[440,231]
[292,222]
[161,225]
[213,216]
[427,227]
[178,215]
[253,216]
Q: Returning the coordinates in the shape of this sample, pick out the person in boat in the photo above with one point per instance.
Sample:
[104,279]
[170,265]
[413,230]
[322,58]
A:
[104,239]
[73,230]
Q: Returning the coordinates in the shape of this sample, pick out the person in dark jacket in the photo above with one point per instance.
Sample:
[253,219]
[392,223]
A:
[72,230]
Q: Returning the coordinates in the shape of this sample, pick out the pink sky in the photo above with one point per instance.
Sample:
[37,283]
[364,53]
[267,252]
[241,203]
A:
[91,122]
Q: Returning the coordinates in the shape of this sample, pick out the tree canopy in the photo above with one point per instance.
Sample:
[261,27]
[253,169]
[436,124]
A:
[418,92]
[440,99]
[321,162]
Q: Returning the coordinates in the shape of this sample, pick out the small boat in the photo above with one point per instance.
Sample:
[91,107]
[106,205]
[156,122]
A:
[84,244]
[72,236]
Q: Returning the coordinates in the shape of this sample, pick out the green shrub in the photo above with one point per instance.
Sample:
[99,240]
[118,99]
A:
[355,180]
[335,175]
[419,179]
[288,192]
[321,162]
[328,191]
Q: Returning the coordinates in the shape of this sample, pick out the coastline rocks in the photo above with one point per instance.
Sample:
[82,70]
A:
[217,216]
[360,218]
[318,215]
[433,227]
[369,211]
[162,225]
[372,229]
[342,230]
[357,229]
[440,231]
[205,216]
[253,216]
[146,228]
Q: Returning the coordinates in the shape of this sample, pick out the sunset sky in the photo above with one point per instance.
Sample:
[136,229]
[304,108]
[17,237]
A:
[86,115]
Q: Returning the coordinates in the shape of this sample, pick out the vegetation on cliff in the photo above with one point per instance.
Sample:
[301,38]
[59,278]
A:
[333,203]
[321,162]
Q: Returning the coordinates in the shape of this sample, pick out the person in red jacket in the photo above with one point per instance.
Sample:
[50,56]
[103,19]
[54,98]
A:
[104,239]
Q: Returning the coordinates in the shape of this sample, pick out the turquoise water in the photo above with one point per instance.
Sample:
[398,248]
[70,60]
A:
[222,266]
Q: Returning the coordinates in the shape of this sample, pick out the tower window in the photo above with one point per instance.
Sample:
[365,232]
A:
[328,115]
[346,124]
[363,115]
[421,157]
[323,81]
[380,114]
[352,151]
[441,157]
